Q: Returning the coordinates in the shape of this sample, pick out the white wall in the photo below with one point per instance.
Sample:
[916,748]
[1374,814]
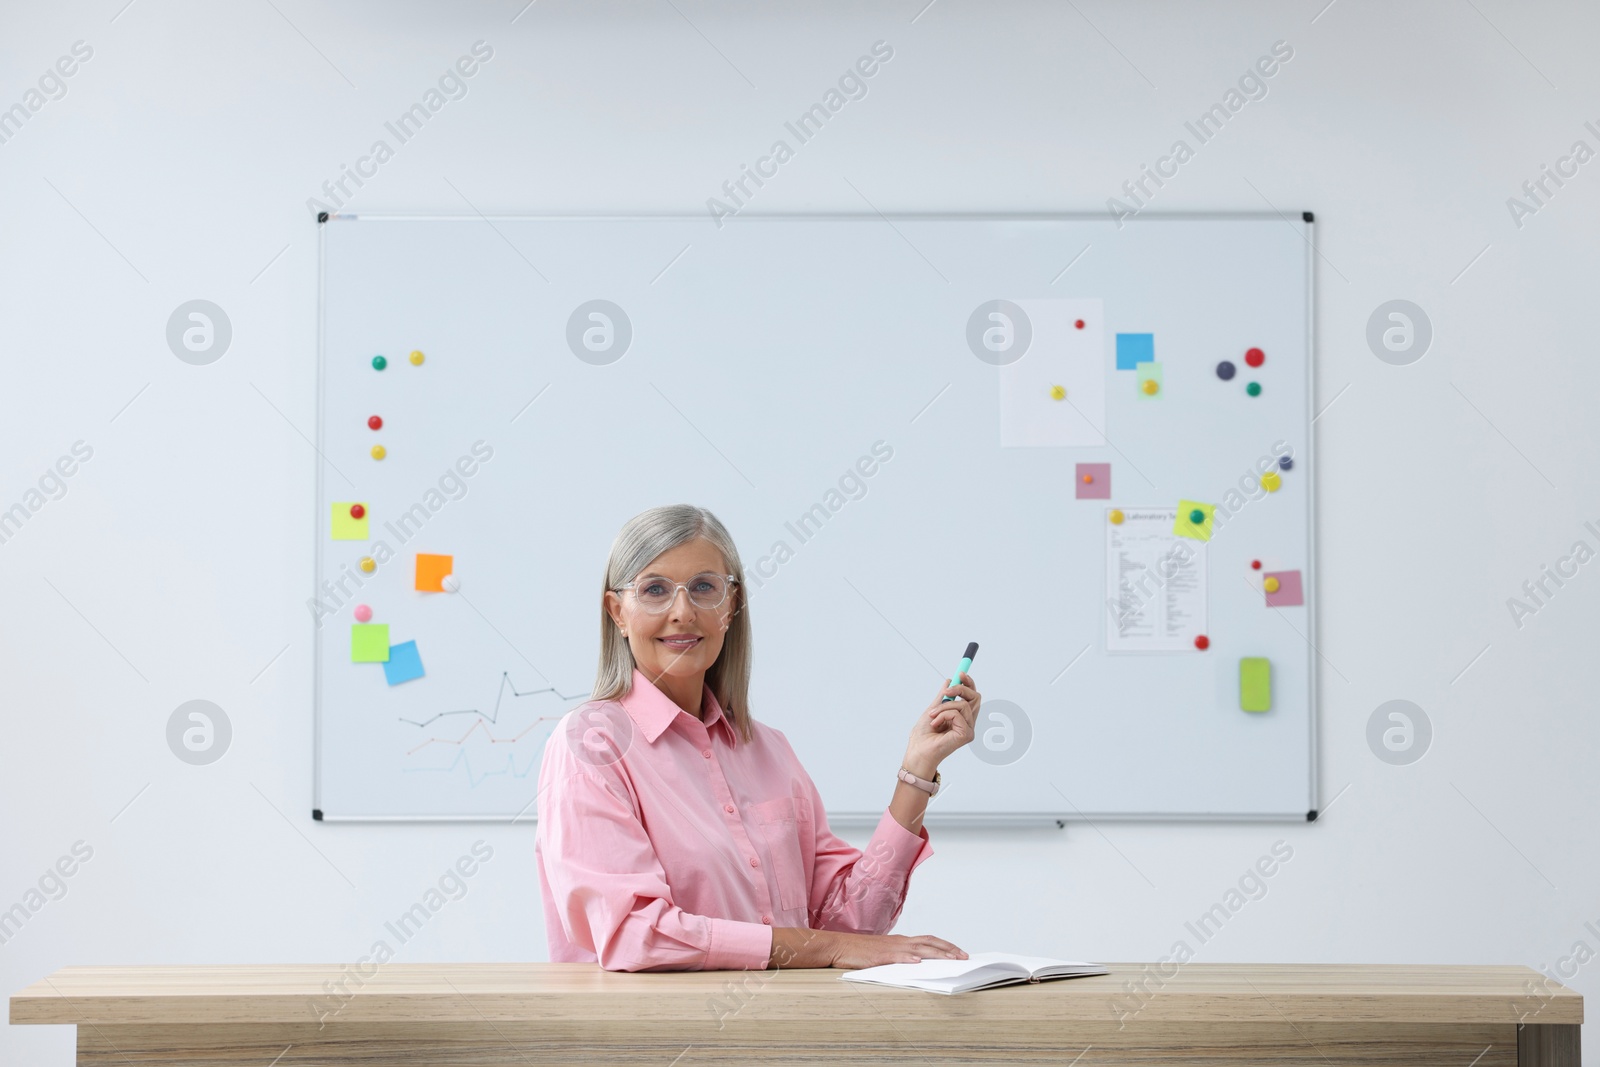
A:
[179,163]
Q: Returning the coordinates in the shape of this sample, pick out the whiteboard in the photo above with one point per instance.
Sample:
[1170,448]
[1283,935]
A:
[761,368]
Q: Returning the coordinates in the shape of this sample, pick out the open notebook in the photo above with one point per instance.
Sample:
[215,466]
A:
[981,970]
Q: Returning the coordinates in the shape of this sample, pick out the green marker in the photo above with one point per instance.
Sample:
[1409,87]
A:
[966,662]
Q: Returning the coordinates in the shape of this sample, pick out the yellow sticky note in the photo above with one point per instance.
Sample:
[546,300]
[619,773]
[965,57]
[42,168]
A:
[345,528]
[369,642]
[431,571]
[1186,526]
[1255,684]
[1148,375]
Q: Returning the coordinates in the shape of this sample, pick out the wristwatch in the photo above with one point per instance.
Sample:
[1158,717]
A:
[930,788]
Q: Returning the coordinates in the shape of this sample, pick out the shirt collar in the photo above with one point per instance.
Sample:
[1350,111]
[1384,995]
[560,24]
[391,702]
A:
[653,711]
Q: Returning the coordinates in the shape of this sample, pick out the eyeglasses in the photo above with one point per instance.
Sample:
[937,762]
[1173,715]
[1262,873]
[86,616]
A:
[655,593]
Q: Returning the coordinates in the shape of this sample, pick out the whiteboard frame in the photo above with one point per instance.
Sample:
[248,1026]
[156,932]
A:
[866,820]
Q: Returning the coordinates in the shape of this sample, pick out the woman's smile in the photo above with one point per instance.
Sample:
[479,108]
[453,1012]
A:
[680,642]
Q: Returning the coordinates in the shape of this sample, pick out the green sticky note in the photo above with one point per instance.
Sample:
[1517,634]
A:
[345,528]
[1149,372]
[369,642]
[1184,525]
[1255,684]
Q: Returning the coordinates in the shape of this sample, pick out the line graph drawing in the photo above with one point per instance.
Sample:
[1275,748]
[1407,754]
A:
[493,740]
[471,755]
[494,716]
[475,778]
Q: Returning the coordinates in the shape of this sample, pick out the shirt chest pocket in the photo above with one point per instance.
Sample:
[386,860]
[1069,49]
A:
[779,825]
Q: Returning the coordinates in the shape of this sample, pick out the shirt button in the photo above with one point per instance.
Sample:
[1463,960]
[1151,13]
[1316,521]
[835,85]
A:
[754,862]
[727,807]
[767,919]
[706,753]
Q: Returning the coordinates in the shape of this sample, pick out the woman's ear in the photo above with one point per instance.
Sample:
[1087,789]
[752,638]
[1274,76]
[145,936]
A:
[613,606]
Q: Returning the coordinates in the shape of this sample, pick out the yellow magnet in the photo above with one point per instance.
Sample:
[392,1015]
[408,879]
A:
[1271,482]
[368,564]
[1150,386]
[1270,585]
[378,452]
[416,359]
[1058,392]
[1115,516]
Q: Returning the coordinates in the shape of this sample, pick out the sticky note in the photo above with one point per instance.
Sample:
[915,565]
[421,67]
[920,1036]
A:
[1098,487]
[431,570]
[1184,525]
[1134,349]
[1255,684]
[1289,592]
[343,527]
[1149,372]
[369,642]
[403,663]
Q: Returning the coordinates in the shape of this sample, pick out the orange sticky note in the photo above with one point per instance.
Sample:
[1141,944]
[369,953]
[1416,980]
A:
[431,571]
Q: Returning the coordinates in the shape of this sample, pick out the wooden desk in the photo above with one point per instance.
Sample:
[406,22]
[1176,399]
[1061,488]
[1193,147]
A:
[523,1014]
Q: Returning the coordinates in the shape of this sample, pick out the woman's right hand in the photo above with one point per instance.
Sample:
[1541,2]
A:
[855,951]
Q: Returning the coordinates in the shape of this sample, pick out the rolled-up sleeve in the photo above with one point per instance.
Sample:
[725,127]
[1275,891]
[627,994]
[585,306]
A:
[610,891]
[858,891]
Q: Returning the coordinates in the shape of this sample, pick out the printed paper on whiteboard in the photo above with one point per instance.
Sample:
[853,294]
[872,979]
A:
[1155,584]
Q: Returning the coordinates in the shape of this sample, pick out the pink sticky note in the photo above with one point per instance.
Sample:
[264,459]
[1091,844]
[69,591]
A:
[1289,593]
[1098,487]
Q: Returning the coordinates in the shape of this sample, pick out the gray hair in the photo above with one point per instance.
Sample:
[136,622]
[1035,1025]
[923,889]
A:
[643,538]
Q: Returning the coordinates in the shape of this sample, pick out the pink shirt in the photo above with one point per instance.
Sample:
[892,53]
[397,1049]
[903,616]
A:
[666,843]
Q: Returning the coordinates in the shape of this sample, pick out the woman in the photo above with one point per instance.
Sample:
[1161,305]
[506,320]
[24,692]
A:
[677,833]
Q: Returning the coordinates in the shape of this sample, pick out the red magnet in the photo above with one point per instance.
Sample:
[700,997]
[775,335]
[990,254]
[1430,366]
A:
[1255,564]
[357,511]
[375,423]
[1255,357]
[1202,642]
[1079,324]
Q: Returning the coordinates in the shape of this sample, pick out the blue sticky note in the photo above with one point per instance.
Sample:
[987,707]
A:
[403,663]
[1134,349]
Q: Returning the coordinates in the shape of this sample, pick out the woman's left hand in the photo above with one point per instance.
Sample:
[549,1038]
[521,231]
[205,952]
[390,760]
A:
[943,727]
